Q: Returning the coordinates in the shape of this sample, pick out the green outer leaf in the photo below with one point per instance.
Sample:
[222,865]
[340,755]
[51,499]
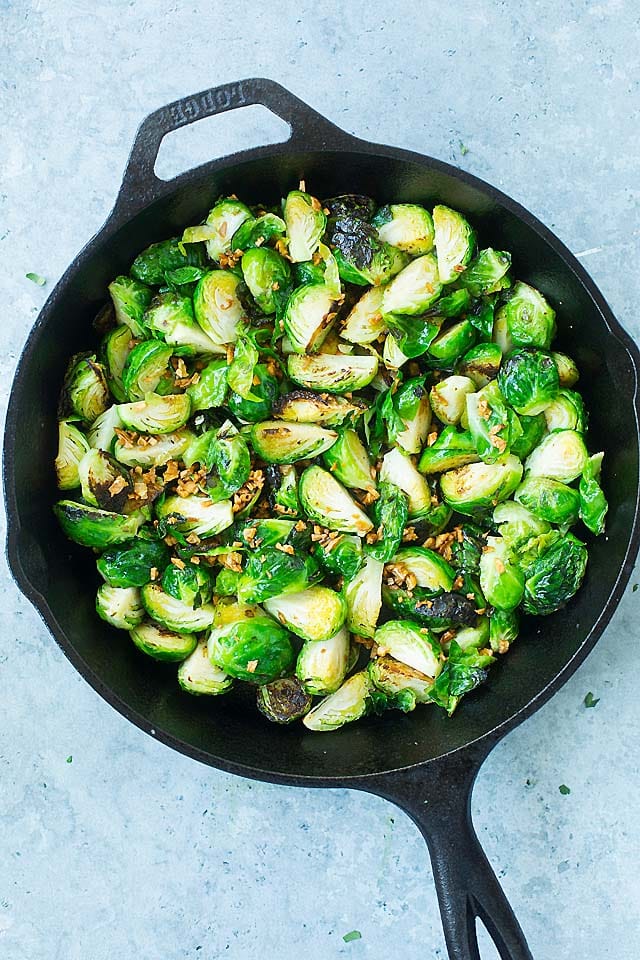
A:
[240,373]
[390,514]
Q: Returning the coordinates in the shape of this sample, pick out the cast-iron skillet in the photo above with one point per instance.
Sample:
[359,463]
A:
[423,762]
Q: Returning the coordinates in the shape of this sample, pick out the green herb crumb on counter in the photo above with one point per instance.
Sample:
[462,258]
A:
[590,700]
[36,278]
[564,789]
[326,448]
[352,935]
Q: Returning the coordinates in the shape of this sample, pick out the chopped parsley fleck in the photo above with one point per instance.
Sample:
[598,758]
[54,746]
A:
[634,588]
[352,935]
[564,789]
[36,278]
[69,759]
[464,149]
[590,700]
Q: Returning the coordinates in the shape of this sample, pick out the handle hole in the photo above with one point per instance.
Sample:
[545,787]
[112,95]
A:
[486,946]
[218,136]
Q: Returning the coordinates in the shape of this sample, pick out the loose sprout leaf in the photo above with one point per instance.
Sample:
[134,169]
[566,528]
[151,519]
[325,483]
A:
[590,700]
[240,373]
[36,278]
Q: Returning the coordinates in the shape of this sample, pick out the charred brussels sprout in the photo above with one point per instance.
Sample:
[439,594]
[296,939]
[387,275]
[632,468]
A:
[130,301]
[453,448]
[528,380]
[120,606]
[479,486]
[152,265]
[305,406]
[103,481]
[560,456]
[210,389]
[533,430]
[316,613]
[91,527]
[339,554]
[555,576]
[174,614]
[486,273]
[480,364]
[399,469]
[161,643]
[525,320]
[283,489]
[72,446]
[414,289]
[549,499]
[441,612]
[283,701]
[323,664]
[171,318]
[197,675]
[309,315]
[248,645]
[195,514]
[427,567]
[593,503]
[267,274]
[217,307]
[325,501]
[406,226]
[219,231]
[448,398]
[501,579]
[278,442]
[133,564]
[271,572]
[347,704]
[364,598]
[411,645]
[455,241]
[349,462]
[188,583]
[365,322]
[156,414]
[85,391]
[305,222]
[568,374]
[390,513]
[332,374]
[566,412]
[146,368]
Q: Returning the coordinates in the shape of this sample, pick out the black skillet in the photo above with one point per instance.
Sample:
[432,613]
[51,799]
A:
[423,762]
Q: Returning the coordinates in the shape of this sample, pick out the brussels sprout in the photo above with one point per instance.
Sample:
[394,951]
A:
[414,289]
[103,429]
[411,645]
[517,525]
[249,645]
[169,446]
[114,350]
[407,226]
[593,503]
[399,469]
[528,380]
[454,240]
[306,222]
[266,533]
[305,406]
[104,482]
[171,318]
[504,627]
[131,564]
[393,678]
[92,527]
[270,572]
[316,613]
[463,671]
[533,430]
[481,364]
[283,701]
[197,675]
[568,374]
[348,461]
[365,322]
[566,412]
[195,514]
[323,663]
[218,310]
[163,644]
[189,584]
[85,391]
[549,499]
[72,446]
[146,367]
[555,576]
[278,442]
[174,614]
[491,424]
[478,486]
[130,300]
[448,398]
[210,390]
[411,401]
[392,355]
[501,579]
[441,612]
[339,554]
[223,220]
[370,261]
[485,272]
[325,501]
[156,414]
[332,373]
[309,315]
[429,569]
[390,512]
[453,448]
[453,342]
[283,489]
[120,606]
[257,231]
[347,704]
[229,454]
[156,261]
[364,598]
[560,456]
[525,320]
[267,274]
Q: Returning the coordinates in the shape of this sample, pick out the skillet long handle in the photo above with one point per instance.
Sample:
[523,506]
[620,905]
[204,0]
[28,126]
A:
[140,184]
[437,797]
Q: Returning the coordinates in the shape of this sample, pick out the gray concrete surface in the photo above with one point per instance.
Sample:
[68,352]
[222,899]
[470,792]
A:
[111,846]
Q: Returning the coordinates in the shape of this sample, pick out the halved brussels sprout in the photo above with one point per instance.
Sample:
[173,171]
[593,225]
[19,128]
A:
[103,481]
[156,414]
[256,232]
[474,637]
[429,569]
[197,675]
[92,527]
[448,398]
[491,424]
[223,220]
[142,453]
[171,317]
[350,702]
[174,614]
[283,489]
[593,503]
[486,271]
[85,391]
[568,374]
[276,441]
[348,460]
[562,455]
[555,576]
[392,355]
[504,626]
[268,532]
[103,429]
[454,241]
[453,342]
[210,390]
[517,525]
[316,613]
[309,315]
[399,469]
[114,350]
[265,389]
[566,412]
[188,583]
[267,274]
[365,322]
[372,262]
[414,289]
[339,554]
[152,265]
[481,364]
[453,448]
[248,644]
[130,300]
[525,320]
[146,366]
[325,501]
[283,701]
[407,226]
[120,606]
[415,646]
[271,572]
[163,644]
[131,564]
[305,406]
[501,579]
[533,430]
[195,514]
[323,664]
[394,678]
[227,452]
[217,307]
[549,499]
[332,373]
[411,401]
[305,221]
[528,380]
[72,446]
[479,486]
[364,598]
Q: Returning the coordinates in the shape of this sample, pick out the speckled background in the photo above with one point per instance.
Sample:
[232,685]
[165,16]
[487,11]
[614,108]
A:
[111,845]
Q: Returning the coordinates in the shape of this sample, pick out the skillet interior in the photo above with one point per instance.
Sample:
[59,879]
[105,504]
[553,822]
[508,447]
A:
[223,731]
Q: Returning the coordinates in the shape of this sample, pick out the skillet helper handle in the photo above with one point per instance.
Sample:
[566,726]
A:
[309,129]
[438,800]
